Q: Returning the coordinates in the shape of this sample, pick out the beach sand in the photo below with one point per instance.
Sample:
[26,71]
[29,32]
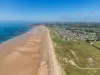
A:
[28,54]
[20,55]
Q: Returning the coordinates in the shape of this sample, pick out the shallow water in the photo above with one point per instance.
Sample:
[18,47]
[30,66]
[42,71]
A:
[11,30]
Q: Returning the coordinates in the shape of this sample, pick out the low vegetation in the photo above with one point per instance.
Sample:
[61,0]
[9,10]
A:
[81,53]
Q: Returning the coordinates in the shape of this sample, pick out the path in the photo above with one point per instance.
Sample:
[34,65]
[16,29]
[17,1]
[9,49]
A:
[74,64]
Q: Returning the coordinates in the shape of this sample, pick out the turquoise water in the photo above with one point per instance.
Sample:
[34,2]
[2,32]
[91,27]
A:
[11,30]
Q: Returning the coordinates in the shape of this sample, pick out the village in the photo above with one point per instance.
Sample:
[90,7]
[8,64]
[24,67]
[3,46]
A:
[78,32]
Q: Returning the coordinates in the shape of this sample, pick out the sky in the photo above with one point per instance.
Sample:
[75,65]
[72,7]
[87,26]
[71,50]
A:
[50,10]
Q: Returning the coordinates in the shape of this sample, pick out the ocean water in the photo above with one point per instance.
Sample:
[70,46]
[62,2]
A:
[11,30]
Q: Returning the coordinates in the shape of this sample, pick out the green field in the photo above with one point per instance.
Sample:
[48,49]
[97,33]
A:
[82,50]
[97,43]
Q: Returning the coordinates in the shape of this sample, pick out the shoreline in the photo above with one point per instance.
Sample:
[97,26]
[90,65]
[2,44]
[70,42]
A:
[9,45]
[29,54]
[20,55]
[17,36]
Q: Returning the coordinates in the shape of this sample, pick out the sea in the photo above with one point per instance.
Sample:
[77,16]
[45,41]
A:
[9,30]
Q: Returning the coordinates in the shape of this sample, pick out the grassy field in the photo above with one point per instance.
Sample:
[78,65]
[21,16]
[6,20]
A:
[82,50]
[97,43]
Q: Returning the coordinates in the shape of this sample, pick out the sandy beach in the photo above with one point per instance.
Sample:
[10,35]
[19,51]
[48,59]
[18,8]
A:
[29,54]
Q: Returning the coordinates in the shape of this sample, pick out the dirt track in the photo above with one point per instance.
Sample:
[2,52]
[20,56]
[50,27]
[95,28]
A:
[29,54]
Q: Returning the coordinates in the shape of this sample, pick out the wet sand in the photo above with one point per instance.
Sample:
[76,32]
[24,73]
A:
[28,54]
[20,56]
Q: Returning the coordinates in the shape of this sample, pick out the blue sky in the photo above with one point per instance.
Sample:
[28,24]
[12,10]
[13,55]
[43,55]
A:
[50,10]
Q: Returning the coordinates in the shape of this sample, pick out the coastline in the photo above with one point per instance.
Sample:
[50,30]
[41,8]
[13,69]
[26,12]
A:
[29,54]
[48,61]
[20,55]
[17,36]
[10,44]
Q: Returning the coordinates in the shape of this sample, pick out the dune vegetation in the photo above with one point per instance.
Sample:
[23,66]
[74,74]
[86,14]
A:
[76,57]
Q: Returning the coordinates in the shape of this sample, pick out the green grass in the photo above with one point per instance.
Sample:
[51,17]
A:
[82,49]
[97,43]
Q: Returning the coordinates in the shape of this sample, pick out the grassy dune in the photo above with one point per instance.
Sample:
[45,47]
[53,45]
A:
[97,43]
[82,51]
